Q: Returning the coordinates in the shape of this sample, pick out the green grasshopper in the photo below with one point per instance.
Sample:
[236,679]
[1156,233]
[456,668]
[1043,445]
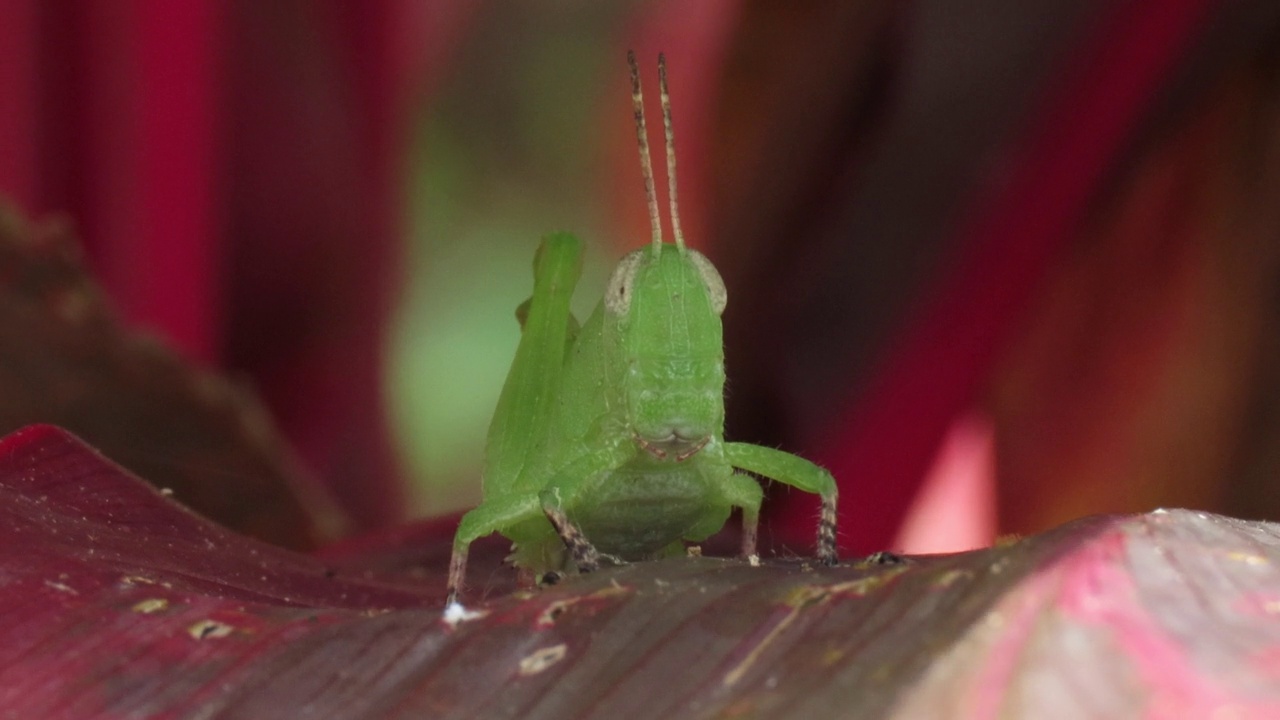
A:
[608,438]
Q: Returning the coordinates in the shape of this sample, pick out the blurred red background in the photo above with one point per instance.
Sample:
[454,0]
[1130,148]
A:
[996,264]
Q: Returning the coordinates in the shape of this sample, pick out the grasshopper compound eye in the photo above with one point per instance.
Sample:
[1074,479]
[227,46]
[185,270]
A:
[617,297]
[711,279]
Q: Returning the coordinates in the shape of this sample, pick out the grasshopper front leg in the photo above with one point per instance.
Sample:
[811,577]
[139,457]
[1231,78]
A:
[798,473]
[585,556]
[741,491]
[571,482]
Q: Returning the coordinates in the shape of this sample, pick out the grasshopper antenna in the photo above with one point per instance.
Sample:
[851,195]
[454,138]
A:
[646,164]
[671,150]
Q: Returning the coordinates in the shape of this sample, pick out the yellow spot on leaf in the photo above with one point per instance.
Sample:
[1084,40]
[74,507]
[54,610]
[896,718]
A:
[542,659]
[1247,558]
[951,577]
[547,618]
[151,605]
[209,629]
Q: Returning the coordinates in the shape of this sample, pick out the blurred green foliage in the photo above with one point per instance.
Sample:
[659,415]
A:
[509,148]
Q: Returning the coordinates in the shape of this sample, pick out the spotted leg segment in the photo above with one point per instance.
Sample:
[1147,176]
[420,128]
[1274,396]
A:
[583,554]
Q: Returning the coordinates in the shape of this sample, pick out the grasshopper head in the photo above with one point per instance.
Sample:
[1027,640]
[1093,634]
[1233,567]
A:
[666,303]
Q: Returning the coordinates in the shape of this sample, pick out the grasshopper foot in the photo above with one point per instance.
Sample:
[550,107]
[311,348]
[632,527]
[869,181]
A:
[885,558]
[613,560]
[585,556]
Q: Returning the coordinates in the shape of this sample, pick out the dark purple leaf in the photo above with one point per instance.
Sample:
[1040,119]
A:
[67,359]
[117,602]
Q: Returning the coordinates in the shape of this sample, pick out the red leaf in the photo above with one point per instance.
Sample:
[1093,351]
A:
[115,602]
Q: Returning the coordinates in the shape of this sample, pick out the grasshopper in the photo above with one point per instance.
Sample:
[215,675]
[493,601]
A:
[608,438]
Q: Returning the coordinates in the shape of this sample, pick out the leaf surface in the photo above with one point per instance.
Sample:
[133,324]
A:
[117,602]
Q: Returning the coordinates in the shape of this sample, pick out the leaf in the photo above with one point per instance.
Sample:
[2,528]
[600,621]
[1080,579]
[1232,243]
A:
[1061,204]
[116,602]
[69,360]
